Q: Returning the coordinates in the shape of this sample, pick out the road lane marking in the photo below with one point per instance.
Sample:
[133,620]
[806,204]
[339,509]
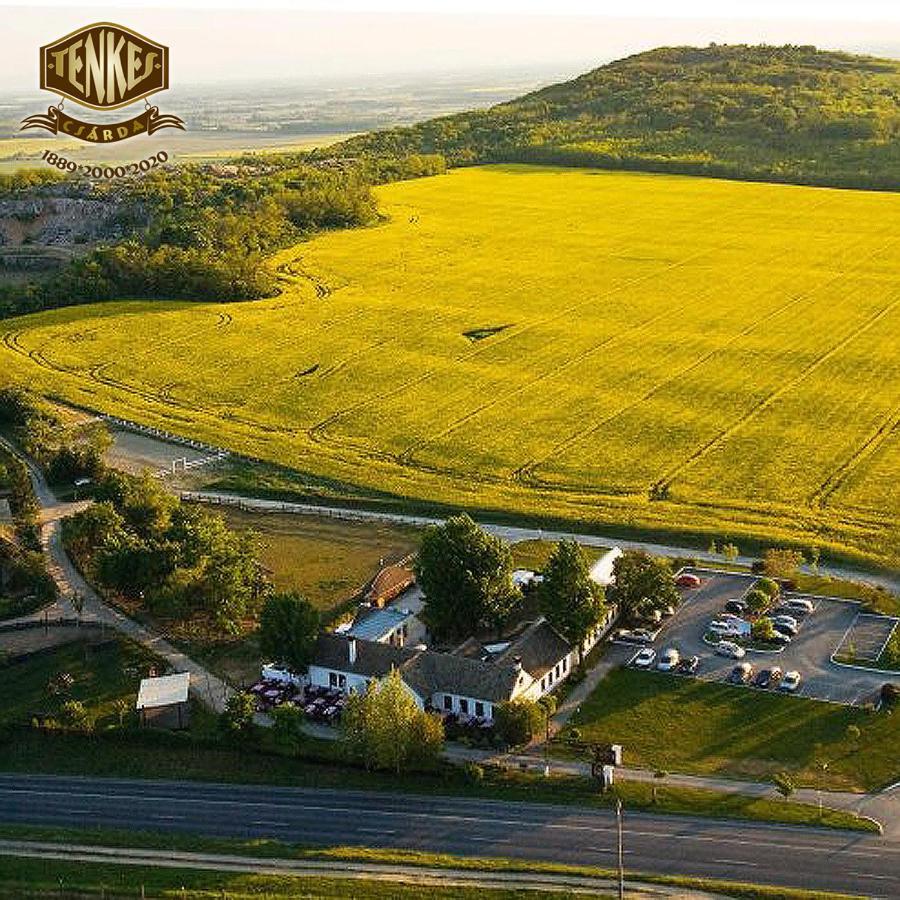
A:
[736,862]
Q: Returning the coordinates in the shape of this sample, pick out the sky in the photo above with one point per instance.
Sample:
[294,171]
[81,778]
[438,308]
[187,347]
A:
[305,40]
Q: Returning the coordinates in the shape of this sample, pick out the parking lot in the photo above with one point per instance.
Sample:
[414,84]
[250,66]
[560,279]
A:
[809,652]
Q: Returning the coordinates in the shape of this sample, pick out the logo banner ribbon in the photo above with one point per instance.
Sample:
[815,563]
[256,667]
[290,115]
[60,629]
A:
[58,122]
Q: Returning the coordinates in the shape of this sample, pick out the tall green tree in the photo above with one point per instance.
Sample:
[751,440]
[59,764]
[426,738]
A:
[643,583]
[288,628]
[466,576]
[571,602]
[385,729]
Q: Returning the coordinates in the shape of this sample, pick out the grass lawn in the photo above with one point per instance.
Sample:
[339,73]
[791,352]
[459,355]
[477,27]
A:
[327,560]
[102,675]
[618,348]
[687,725]
[534,554]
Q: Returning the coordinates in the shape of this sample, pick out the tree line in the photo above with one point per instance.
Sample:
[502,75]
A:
[203,232]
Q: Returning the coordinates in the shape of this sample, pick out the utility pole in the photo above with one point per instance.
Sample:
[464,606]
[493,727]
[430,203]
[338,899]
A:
[621,851]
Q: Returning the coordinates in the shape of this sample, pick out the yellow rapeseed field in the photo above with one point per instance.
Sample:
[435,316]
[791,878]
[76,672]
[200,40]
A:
[646,350]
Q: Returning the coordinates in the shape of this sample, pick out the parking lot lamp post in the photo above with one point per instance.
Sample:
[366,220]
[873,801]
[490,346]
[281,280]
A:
[621,851]
[824,768]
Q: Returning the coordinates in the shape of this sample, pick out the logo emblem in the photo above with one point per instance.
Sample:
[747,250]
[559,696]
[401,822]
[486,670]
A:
[104,66]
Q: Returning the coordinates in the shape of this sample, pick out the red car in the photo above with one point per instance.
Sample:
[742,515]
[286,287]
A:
[687,580]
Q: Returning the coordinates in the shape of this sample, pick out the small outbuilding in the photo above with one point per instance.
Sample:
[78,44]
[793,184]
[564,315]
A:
[163,702]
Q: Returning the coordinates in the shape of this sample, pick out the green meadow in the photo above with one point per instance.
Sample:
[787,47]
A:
[654,352]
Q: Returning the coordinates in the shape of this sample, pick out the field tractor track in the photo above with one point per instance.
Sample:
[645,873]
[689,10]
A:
[719,439]
[520,472]
[526,472]
[873,443]
[318,432]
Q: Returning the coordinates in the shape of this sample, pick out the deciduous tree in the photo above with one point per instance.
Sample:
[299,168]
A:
[570,600]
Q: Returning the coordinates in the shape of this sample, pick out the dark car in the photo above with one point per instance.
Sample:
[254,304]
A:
[741,673]
[784,628]
[781,639]
[768,678]
[738,607]
[688,665]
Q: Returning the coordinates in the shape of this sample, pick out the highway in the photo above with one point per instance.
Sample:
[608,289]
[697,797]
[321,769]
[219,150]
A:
[756,852]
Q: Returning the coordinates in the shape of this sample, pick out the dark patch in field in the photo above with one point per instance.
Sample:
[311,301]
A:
[310,371]
[479,334]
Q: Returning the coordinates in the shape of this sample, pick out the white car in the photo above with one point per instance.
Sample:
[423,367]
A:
[720,626]
[645,658]
[730,649]
[790,682]
[790,621]
[668,659]
[799,604]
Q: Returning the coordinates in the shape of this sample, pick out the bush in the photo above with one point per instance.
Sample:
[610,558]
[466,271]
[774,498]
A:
[473,772]
[757,601]
[518,721]
[890,694]
[768,586]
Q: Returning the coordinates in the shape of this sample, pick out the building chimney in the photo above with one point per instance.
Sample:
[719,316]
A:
[351,645]
[517,662]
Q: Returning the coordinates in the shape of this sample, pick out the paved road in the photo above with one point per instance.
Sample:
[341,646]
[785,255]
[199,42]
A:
[206,687]
[781,855]
[513,533]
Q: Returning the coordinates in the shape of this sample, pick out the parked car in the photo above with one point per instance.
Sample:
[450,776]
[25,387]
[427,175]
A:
[782,640]
[668,659]
[686,580]
[741,673]
[736,606]
[645,658]
[688,665]
[721,626]
[634,636]
[668,611]
[730,649]
[798,604]
[786,620]
[791,681]
[783,627]
[768,678]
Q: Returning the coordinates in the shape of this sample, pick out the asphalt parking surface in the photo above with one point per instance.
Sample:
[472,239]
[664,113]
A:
[809,652]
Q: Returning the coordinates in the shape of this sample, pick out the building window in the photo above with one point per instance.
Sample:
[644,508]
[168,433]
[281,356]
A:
[335,679]
[464,706]
[544,683]
[556,670]
[448,701]
[565,663]
[332,679]
[479,708]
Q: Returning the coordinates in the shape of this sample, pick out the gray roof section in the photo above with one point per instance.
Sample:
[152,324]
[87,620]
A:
[540,647]
[425,671]
[431,673]
[372,658]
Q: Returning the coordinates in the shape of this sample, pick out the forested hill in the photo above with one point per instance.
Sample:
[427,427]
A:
[789,113]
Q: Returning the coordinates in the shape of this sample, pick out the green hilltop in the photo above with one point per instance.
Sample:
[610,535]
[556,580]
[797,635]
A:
[790,113]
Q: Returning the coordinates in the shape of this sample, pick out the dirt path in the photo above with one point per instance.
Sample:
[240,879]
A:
[208,688]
